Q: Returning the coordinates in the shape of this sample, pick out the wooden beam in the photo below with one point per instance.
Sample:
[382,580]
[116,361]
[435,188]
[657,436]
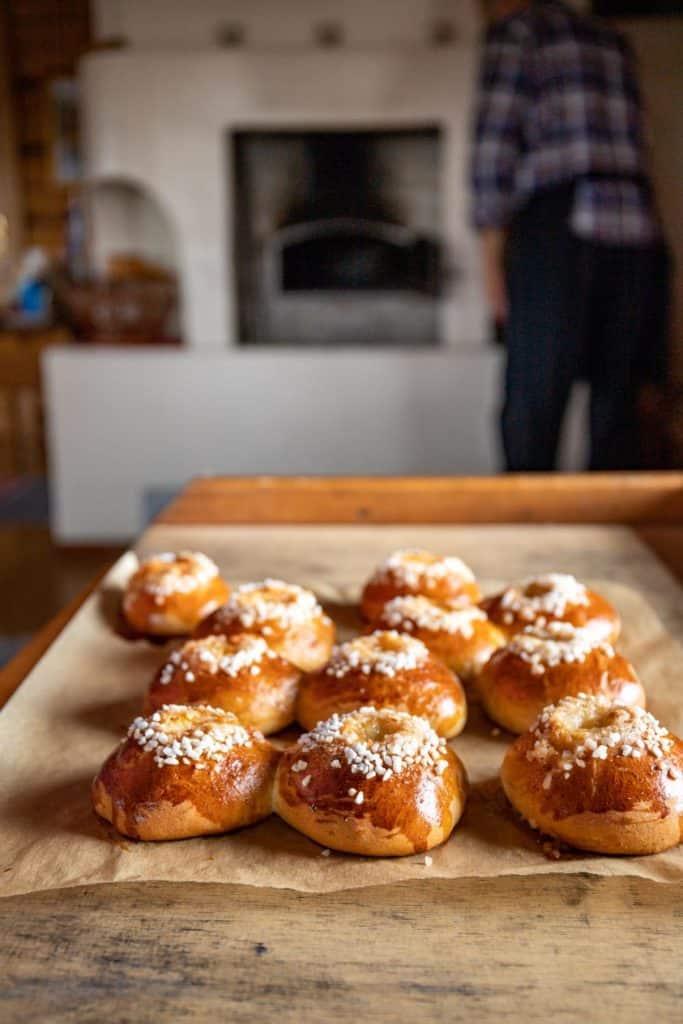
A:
[628,498]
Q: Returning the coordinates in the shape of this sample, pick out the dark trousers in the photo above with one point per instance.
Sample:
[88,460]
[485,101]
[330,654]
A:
[577,309]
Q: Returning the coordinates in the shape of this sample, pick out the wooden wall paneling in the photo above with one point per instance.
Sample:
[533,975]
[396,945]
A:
[46,41]
[10,198]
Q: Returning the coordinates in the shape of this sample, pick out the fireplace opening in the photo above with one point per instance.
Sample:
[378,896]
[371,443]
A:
[336,236]
[351,254]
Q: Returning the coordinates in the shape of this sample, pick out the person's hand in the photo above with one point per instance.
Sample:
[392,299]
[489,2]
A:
[493,244]
[496,294]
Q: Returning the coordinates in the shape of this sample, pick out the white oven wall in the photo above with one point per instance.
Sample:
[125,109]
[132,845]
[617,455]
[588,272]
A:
[126,424]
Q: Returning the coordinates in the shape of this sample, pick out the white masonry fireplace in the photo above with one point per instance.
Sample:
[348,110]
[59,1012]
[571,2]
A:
[310,171]
[189,126]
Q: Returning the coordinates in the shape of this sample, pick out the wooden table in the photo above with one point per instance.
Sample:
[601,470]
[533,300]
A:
[566,948]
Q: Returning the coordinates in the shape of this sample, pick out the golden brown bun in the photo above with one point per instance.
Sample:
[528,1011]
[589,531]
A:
[239,674]
[287,616]
[376,810]
[170,593]
[186,771]
[540,666]
[385,670]
[463,638]
[574,776]
[413,571]
[553,597]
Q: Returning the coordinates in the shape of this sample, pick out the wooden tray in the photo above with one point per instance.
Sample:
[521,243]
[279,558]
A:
[495,949]
[83,695]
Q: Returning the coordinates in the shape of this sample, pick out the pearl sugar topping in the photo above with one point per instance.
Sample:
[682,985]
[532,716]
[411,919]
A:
[413,567]
[377,743]
[273,602]
[384,652]
[410,611]
[567,735]
[214,655]
[544,647]
[195,735]
[169,573]
[550,594]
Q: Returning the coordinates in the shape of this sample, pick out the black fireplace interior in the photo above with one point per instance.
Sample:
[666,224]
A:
[347,237]
[324,216]
[346,254]
[342,179]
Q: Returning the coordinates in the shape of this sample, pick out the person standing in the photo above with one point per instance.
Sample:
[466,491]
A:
[571,241]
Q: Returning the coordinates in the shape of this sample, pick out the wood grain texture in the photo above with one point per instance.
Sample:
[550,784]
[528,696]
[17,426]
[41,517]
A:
[534,950]
[558,498]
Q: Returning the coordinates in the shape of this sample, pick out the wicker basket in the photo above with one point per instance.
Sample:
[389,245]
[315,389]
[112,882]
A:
[129,311]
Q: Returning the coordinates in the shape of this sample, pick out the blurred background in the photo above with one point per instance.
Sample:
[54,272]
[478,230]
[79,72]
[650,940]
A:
[235,238]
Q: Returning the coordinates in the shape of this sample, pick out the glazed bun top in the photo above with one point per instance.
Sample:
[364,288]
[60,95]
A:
[167,574]
[194,735]
[219,656]
[270,603]
[557,643]
[375,743]
[416,568]
[384,652]
[413,610]
[579,730]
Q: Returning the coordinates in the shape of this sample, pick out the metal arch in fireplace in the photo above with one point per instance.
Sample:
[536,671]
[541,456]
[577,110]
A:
[351,254]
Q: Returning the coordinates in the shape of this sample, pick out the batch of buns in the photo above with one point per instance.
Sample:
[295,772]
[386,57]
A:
[374,774]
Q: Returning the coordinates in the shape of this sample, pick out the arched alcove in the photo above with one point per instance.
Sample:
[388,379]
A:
[132,247]
[125,218]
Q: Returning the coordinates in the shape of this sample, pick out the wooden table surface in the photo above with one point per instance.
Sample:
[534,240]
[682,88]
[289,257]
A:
[566,948]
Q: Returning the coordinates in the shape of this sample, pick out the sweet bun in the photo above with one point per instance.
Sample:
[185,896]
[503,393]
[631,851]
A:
[186,771]
[239,674]
[541,665]
[599,777]
[553,597]
[170,593]
[387,670]
[375,782]
[413,571]
[463,638]
[287,616]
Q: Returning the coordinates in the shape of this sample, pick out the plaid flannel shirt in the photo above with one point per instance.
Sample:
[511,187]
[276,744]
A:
[558,104]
